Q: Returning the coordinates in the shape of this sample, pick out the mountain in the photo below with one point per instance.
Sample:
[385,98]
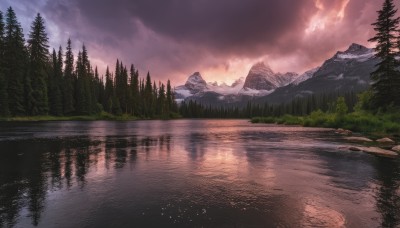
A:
[345,71]
[260,81]
[304,77]
[261,77]
[196,88]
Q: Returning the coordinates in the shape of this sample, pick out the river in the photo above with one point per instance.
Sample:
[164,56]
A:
[190,173]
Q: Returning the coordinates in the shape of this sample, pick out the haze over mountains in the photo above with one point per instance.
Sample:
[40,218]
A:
[345,71]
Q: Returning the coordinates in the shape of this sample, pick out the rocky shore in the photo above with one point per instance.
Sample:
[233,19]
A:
[384,147]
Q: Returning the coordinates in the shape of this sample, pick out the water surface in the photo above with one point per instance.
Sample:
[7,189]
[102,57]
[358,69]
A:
[190,173]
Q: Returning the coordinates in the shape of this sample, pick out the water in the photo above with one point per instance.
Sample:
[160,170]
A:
[190,173]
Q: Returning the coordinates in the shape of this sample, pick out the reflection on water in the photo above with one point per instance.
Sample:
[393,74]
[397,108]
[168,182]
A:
[189,173]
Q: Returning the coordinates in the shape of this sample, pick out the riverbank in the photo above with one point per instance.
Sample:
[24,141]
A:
[101,116]
[383,130]
[375,126]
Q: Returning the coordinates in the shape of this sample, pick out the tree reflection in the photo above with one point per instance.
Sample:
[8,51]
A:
[388,198]
[196,146]
[32,168]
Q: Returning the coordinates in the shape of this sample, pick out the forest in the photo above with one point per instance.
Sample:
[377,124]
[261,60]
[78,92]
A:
[34,82]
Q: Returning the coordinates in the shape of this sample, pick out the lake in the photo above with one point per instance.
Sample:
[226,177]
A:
[190,173]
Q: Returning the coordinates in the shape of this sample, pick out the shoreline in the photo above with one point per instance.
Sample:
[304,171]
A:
[377,143]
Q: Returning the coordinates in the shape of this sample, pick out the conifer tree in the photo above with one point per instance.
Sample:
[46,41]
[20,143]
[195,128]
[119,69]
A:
[109,92]
[14,63]
[68,79]
[38,50]
[161,103]
[4,111]
[80,98]
[170,98]
[55,96]
[147,96]
[134,87]
[386,77]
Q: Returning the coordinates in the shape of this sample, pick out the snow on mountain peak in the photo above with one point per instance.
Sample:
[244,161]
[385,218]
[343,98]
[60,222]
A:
[195,79]
[304,77]
[261,77]
[193,85]
[356,49]
[261,68]
[356,52]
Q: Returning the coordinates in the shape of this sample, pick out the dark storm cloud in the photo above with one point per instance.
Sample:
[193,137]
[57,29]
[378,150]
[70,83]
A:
[173,38]
[224,25]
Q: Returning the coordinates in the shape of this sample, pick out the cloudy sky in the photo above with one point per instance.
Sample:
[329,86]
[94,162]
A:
[220,38]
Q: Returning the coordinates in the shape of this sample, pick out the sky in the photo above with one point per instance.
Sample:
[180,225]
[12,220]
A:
[222,39]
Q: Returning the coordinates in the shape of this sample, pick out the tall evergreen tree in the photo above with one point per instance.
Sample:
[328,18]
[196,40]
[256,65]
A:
[147,96]
[134,86]
[54,88]
[80,98]
[14,63]
[68,81]
[170,99]
[4,111]
[38,50]
[386,78]
[108,92]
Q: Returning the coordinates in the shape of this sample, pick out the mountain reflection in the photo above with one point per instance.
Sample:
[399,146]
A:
[49,165]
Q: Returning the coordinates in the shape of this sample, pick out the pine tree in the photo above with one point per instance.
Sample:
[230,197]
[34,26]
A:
[134,87]
[80,98]
[38,49]
[108,92]
[147,96]
[68,81]
[170,98]
[161,104]
[4,111]
[14,64]
[55,96]
[386,77]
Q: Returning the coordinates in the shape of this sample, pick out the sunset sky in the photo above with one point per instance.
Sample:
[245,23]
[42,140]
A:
[221,39]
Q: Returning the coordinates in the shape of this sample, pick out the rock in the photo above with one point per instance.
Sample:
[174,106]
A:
[353,148]
[379,152]
[343,148]
[396,148]
[358,139]
[341,131]
[385,140]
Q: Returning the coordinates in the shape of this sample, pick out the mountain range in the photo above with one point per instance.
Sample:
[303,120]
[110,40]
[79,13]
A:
[345,71]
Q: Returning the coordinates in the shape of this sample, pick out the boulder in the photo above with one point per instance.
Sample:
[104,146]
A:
[396,148]
[385,141]
[358,139]
[354,148]
[341,131]
[379,152]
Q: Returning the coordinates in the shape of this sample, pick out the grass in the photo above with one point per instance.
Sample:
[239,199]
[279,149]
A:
[362,122]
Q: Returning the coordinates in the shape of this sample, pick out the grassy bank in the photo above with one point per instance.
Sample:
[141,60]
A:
[362,122]
[101,116]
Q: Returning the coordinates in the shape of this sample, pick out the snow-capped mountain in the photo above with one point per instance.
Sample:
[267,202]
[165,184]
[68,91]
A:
[305,76]
[225,89]
[196,86]
[345,71]
[261,77]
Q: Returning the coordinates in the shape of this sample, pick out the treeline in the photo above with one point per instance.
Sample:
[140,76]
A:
[297,107]
[35,82]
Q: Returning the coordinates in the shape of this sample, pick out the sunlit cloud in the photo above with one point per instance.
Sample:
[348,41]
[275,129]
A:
[221,39]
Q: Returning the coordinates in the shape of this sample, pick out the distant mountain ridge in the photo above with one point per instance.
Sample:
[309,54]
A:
[345,71]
